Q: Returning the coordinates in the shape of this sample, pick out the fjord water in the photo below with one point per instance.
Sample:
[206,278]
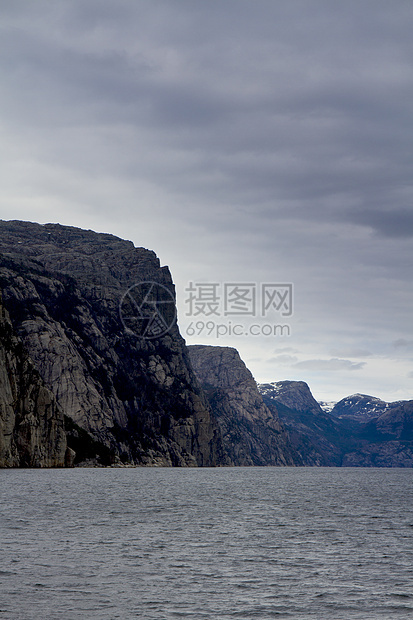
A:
[201,544]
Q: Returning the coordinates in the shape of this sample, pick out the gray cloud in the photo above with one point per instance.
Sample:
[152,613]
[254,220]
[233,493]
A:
[403,343]
[396,222]
[332,365]
[351,353]
[283,359]
[240,140]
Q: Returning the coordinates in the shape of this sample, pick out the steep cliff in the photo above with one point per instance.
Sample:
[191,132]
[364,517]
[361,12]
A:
[315,435]
[32,430]
[92,363]
[97,317]
[252,434]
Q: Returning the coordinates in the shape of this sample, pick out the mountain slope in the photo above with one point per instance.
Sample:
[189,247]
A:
[32,432]
[252,433]
[386,441]
[315,435]
[360,408]
[123,378]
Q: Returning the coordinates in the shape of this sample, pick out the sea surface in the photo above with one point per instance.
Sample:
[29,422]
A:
[202,544]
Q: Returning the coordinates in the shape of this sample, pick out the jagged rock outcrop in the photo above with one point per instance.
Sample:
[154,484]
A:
[315,435]
[32,432]
[114,359]
[252,434]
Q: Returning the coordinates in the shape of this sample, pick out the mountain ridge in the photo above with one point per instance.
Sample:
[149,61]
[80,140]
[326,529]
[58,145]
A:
[137,395]
[93,370]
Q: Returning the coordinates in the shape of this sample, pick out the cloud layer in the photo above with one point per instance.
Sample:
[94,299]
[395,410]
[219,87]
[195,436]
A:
[242,141]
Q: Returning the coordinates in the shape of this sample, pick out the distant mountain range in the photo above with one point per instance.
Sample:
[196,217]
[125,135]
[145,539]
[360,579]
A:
[94,372]
[359,430]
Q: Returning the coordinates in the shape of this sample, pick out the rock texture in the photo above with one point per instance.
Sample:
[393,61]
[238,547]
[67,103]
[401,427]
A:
[252,433]
[32,432]
[64,288]
[295,395]
[386,441]
[360,407]
[360,431]
[93,371]
[315,435]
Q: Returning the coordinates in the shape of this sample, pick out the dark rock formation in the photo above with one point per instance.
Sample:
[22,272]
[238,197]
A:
[119,372]
[32,430]
[394,424]
[252,433]
[361,431]
[386,441]
[360,407]
[315,435]
[295,395]
[93,371]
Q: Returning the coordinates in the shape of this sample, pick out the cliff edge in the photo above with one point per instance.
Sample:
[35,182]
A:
[97,317]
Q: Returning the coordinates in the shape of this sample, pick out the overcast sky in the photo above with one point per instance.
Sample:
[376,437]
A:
[245,142]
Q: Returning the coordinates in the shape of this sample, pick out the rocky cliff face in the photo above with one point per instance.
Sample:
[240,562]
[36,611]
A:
[32,432]
[91,361]
[315,435]
[97,317]
[252,434]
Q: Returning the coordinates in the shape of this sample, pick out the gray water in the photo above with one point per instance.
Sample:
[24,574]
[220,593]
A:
[202,544]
